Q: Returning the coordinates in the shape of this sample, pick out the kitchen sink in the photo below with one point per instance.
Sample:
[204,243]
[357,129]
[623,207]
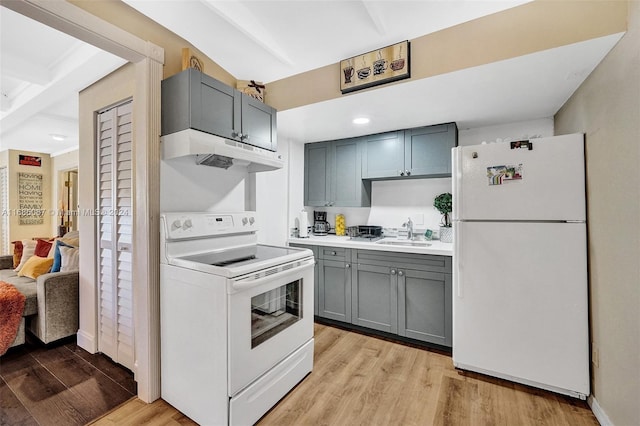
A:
[410,243]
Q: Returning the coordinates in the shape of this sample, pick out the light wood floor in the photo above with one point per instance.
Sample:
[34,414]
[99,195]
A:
[361,380]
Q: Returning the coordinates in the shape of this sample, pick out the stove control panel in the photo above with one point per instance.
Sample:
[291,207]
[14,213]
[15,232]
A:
[194,225]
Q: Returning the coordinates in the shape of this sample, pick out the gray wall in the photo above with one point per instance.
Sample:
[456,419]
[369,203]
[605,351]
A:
[607,109]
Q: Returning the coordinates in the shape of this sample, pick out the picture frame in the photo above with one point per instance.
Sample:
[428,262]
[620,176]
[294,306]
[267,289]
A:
[380,66]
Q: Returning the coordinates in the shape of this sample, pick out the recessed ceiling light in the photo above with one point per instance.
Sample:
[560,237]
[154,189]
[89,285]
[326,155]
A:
[58,138]
[360,120]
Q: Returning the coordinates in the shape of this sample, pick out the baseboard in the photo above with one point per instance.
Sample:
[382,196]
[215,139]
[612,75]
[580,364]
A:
[87,341]
[597,410]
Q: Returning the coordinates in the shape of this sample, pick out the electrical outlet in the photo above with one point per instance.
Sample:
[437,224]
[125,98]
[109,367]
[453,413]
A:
[417,219]
[595,357]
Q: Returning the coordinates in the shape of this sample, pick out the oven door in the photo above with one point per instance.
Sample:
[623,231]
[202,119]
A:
[270,316]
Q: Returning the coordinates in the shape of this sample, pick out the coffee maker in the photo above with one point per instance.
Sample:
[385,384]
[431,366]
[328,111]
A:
[320,224]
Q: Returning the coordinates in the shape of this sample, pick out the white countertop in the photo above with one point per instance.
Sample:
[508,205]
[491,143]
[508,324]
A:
[436,247]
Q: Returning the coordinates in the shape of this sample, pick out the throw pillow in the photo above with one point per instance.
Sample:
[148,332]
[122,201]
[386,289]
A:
[53,248]
[70,259]
[42,248]
[35,266]
[57,257]
[17,253]
[28,250]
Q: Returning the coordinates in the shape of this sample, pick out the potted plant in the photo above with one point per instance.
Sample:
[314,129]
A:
[443,203]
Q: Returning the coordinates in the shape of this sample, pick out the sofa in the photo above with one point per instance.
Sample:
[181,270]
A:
[51,305]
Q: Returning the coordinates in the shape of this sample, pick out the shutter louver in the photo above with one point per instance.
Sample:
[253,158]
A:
[115,234]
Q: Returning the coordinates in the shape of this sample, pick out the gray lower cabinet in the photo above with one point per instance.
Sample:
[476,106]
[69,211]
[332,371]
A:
[316,278]
[374,298]
[334,290]
[402,293]
[399,293]
[424,306]
[334,283]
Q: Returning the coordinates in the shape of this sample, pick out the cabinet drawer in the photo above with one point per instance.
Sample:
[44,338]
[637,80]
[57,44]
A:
[335,253]
[420,262]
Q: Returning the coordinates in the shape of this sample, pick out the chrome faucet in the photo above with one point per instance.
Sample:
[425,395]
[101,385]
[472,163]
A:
[409,225]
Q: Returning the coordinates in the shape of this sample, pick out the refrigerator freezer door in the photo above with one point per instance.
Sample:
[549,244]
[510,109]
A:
[549,184]
[520,303]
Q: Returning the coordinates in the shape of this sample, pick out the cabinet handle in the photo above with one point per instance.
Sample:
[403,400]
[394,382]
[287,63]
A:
[244,137]
[333,253]
[401,172]
[393,272]
[347,266]
[401,273]
[408,173]
[235,134]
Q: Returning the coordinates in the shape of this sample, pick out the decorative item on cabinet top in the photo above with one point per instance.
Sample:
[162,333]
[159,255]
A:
[253,88]
[189,60]
[379,66]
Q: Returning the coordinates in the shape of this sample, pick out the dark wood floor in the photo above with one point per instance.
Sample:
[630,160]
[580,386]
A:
[59,385]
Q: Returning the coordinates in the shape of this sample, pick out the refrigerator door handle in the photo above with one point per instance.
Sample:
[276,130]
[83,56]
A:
[456,161]
[457,252]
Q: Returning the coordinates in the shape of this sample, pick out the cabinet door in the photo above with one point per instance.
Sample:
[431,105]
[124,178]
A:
[383,155]
[375,298]
[317,172]
[347,189]
[258,123]
[424,306]
[334,298]
[216,108]
[428,150]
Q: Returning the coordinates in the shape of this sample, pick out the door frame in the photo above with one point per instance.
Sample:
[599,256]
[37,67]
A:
[148,60]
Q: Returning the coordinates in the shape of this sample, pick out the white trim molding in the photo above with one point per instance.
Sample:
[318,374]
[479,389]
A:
[597,410]
[148,59]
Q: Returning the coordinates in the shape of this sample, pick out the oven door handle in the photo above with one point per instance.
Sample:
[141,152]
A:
[250,283]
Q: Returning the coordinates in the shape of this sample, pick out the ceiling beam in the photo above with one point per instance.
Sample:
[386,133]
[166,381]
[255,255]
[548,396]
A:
[245,21]
[21,68]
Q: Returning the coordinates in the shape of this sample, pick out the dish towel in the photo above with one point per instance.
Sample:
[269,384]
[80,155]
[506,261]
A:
[11,309]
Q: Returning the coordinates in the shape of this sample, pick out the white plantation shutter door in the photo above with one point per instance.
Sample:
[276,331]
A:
[4,206]
[115,337]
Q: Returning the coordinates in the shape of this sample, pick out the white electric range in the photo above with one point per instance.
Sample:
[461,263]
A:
[236,317]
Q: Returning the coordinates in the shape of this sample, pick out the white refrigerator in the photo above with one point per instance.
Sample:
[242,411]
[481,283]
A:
[520,302]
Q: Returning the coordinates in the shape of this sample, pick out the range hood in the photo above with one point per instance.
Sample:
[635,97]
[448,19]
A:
[212,150]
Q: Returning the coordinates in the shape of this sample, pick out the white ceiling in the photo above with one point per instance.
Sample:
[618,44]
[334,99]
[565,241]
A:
[43,70]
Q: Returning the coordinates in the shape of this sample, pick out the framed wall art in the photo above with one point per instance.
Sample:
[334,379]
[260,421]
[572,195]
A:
[379,66]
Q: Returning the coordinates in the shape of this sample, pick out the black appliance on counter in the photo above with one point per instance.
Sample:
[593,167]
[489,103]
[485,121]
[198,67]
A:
[365,233]
[320,224]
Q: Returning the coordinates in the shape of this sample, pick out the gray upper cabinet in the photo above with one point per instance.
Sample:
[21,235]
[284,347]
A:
[413,153]
[383,155]
[427,150]
[317,174]
[332,175]
[258,123]
[193,100]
